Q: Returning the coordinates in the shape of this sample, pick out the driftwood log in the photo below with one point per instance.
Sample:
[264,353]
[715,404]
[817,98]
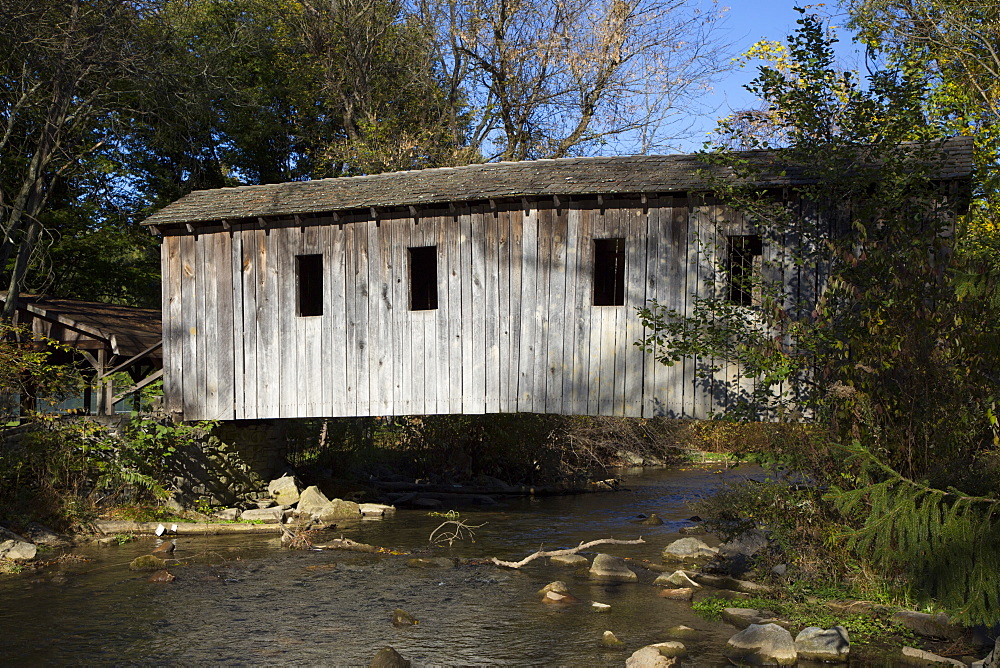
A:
[571,550]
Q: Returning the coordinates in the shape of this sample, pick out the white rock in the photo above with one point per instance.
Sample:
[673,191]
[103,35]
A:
[272,515]
[649,657]
[284,490]
[600,607]
[688,549]
[312,501]
[610,568]
[671,648]
[17,550]
[376,509]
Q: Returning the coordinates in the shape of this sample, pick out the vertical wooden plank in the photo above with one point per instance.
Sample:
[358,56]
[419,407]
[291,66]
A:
[515,242]
[207,325]
[571,278]
[173,325]
[398,327]
[476,402]
[542,288]
[457,270]
[248,269]
[237,341]
[652,394]
[677,252]
[352,319]
[193,391]
[327,353]
[491,311]
[583,279]
[442,342]
[226,374]
[530,328]
[503,268]
[335,335]
[407,385]
[268,332]
[554,362]
[288,354]
[375,272]
[635,294]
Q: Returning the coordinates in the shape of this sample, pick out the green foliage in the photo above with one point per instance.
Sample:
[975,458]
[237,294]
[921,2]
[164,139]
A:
[944,540]
[897,351]
[863,629]
[68,471]
[25,367]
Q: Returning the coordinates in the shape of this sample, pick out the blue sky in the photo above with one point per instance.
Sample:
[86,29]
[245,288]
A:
[747,22]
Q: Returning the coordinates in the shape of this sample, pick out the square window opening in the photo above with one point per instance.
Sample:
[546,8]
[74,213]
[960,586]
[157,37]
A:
[423,278]
[609,272]
[743,264]
[309,275]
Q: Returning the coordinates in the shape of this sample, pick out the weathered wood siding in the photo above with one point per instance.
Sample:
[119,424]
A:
[514,331]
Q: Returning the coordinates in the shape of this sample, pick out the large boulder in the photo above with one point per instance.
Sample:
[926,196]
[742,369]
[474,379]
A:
[931,626]
[649,657]
[284,490]
[816,644]
[17,550]
[339,509]
[311,501]
[609,568]
[762,645]
[688,550]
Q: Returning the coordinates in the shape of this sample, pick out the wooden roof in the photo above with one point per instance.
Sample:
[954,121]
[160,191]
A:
[538,178]
[124,330]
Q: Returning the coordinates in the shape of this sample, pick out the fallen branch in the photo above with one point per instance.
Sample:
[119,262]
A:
[348,544]
[571,550]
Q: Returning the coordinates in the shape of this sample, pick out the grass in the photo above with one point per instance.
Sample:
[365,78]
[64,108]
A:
[863,629]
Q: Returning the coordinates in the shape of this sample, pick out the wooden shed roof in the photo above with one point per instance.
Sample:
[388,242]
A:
[538,178]
[125,330]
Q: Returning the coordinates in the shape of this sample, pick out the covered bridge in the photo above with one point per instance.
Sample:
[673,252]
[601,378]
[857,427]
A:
[504,287]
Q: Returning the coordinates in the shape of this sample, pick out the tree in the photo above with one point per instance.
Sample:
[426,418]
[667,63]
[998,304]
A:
[888,357]
[956,43]
[65,67]
[551,78]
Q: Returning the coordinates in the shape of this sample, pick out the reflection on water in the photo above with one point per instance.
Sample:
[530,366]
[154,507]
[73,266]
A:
[247,601]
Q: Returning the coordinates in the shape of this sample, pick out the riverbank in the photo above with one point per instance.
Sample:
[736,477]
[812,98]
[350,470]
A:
[244,598]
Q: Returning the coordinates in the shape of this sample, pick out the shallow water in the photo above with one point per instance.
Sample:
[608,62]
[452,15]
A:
[245,600]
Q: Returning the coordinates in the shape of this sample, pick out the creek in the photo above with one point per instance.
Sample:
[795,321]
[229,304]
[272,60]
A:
[246,600]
